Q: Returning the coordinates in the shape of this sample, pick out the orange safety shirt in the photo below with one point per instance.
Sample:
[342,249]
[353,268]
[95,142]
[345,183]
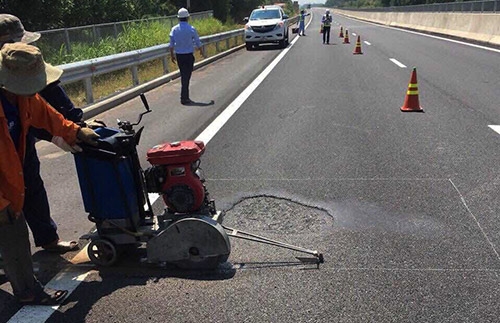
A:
[33,111]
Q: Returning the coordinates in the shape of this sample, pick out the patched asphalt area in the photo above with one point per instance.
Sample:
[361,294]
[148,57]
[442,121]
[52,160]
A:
[395,250]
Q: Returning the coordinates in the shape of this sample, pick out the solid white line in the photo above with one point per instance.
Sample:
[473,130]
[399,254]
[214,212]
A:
[367,43]
[71,278]
[219,122]
[68,279]
[398,63]
[495,128]
[431,36]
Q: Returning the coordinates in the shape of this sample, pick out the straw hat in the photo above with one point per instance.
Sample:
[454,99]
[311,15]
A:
[23,70]
[12,30]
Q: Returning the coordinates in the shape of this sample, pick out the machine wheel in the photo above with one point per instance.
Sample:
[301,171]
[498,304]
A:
[102,252]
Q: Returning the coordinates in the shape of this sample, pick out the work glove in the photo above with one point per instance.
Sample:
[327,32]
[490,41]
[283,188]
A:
[7,215]
[87,136]
[96,123]
[59,142]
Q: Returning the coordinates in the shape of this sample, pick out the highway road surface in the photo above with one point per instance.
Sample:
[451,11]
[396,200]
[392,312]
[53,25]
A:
[404,206]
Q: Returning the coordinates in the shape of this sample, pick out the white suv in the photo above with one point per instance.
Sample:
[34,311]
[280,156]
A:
[268,24]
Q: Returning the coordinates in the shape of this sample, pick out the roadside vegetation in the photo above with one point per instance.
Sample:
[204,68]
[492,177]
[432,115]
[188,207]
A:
[135,36]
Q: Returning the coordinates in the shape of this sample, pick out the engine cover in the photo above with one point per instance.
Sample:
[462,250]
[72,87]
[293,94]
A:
[174,170]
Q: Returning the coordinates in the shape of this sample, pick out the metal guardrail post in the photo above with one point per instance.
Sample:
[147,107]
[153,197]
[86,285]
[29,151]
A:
[164,61]
[227,43]
[67,42]
[115,29]
[217,49]
[89,95]
[135,75]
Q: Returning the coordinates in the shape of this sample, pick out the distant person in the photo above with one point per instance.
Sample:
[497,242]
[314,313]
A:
[183,39]
[24,73]
[36,204]
[302,20]
[326,22]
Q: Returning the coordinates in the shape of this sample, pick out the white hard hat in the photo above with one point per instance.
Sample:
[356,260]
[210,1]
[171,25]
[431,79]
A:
[327,11]
[182,13]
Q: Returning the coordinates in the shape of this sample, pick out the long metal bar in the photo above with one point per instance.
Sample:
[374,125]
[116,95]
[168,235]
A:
[256,238]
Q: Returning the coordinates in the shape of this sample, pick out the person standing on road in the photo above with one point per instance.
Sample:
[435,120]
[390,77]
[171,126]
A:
[24,73]
[326,22]
[36,205]
[183,39]
[302,20]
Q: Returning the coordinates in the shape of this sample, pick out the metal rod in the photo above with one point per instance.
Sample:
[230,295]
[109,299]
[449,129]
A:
[260,239]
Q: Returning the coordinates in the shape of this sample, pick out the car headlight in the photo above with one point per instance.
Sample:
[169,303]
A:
[279,25]
[247,27]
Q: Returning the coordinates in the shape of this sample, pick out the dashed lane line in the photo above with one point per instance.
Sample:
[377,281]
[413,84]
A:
[495,128]
[398,63]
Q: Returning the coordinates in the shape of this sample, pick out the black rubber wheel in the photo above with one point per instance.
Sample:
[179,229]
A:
[102,252]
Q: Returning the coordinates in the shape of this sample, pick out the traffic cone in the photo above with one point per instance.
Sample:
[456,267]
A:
[346,37]
[357,50]
[411,103]
[341,35]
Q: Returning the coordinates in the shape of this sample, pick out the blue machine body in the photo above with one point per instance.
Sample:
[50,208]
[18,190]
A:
[106,180]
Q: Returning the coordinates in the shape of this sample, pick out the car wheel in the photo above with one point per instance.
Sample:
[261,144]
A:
[248,46]
[282,43]
[287,40]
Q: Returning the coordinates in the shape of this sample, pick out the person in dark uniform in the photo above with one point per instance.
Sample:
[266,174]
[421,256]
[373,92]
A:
[326,22]
[183,39]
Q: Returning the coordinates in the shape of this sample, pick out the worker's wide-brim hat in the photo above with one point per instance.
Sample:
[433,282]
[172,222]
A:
[12,30]
[23,70]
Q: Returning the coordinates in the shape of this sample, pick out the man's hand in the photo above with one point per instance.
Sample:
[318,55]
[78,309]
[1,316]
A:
[202,52]
[59,142]
[87,136]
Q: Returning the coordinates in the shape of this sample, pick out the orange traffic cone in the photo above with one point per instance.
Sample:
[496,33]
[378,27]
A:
[411,103]
[346,37]
[357,50]
[341,35]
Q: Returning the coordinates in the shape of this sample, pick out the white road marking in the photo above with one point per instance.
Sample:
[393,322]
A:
[231,109]
[68,279]
[398,63]
[368,43]
[431,36]
[495,128]
[354,34]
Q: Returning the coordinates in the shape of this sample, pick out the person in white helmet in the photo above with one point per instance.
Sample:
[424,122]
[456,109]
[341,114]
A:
[326,22]
[183,39]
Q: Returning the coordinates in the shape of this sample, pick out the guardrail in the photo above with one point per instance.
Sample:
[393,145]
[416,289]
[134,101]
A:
[468,6]
[86,70]
[57,38]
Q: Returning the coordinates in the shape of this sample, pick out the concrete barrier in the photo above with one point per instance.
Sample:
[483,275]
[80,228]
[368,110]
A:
[481,27]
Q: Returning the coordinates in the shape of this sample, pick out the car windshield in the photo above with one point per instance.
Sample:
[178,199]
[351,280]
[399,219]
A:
[265,14]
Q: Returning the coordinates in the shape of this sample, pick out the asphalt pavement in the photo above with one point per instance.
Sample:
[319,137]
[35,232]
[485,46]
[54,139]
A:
[402,205]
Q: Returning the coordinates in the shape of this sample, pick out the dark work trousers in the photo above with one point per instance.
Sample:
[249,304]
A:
[326,35]
[36,204]
[186,64]
[16,253]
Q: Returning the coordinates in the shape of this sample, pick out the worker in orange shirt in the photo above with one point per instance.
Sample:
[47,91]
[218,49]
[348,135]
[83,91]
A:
[23,73]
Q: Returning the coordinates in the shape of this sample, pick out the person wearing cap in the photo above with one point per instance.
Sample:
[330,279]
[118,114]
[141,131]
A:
[326,22]
[302,20]
[183,39]
[24,73]
[36,206]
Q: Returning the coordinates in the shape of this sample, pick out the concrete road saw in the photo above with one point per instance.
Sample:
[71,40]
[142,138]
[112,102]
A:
[189,232]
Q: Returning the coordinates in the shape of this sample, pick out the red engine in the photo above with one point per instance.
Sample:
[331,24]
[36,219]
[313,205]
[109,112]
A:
[175,175]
